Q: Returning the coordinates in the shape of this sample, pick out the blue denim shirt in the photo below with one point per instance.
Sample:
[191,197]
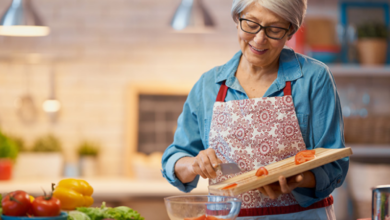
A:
[317,107]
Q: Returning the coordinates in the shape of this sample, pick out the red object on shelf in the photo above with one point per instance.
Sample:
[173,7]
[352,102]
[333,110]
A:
[298,41]
[325,48]
[5,169]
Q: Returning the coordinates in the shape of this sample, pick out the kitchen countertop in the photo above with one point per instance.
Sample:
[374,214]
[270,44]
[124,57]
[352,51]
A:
[123,188]
[106,187]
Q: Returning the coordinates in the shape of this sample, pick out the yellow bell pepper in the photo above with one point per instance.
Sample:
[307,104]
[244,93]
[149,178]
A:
[73,193]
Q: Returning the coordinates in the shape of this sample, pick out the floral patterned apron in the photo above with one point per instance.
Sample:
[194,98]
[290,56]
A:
[254,133]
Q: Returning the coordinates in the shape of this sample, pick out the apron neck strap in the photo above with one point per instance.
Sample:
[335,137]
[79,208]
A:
[223,90]
[287,89]
[222,93]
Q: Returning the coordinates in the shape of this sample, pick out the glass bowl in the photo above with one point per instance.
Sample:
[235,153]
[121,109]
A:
[193,207]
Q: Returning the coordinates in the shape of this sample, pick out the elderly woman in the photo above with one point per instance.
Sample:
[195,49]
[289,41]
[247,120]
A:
[233,114]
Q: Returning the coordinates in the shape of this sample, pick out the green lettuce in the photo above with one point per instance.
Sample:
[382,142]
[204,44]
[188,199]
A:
[76,215]
[123,212]
[103,212]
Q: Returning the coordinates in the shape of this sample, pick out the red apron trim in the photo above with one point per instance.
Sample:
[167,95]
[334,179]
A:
[287,89]
[284,209]
[222,92]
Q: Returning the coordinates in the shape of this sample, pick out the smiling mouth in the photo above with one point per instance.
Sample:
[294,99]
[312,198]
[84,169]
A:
[257,49]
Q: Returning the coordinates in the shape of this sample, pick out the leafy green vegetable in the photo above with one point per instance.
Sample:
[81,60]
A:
[123,212]
[76,215]
[119,213]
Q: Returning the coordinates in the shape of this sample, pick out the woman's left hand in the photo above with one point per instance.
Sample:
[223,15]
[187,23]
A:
[285,186]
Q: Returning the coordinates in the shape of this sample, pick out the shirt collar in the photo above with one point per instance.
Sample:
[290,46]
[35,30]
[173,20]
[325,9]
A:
[289,68]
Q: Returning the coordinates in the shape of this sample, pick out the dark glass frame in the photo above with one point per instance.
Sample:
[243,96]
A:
[264,27]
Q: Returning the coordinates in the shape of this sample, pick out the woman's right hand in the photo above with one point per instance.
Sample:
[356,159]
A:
[205,162]
[187,168]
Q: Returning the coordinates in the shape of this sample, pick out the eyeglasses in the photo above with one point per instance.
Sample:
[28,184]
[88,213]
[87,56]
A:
[252,27]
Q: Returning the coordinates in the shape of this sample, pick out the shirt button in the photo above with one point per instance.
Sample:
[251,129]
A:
[338,181]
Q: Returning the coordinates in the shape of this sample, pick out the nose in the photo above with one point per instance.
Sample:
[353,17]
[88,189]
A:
[260,36]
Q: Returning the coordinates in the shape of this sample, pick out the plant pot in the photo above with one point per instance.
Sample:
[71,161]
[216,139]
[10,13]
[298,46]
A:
[88,166]
[39,165]
[372,51]
[5,169]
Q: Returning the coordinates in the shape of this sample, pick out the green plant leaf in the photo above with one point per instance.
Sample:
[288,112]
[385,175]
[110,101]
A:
[8,148]
[372,30]
[88,148]
[47,143]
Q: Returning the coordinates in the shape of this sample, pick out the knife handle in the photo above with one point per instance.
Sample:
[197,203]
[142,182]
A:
[218,167]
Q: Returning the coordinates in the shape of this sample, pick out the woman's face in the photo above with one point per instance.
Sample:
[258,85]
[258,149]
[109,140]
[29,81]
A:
[258,49]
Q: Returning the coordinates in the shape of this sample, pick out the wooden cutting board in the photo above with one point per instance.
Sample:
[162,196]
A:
[287,167]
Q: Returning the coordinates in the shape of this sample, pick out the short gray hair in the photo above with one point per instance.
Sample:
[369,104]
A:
[292,11]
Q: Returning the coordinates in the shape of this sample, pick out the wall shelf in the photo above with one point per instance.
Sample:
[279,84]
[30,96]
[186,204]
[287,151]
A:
[358,70]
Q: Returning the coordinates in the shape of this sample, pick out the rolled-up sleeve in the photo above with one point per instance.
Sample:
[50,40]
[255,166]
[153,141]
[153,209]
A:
[187,141]
[327,131]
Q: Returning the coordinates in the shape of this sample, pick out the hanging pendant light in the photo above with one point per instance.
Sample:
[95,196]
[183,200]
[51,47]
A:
[192,17]
[52,105]
[21,19]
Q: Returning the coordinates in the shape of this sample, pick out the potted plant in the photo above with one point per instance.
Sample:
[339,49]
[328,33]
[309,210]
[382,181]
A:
[8,154]
[372,43]
[88,152]
[43,160]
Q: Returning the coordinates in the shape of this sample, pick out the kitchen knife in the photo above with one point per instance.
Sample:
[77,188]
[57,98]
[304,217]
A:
[228,168]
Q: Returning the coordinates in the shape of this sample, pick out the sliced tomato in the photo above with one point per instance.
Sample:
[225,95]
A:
[203,217]
[262,171]
[214,218]
[304,156]
[230,186]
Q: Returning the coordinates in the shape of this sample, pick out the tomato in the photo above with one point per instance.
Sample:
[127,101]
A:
[203,217]
[30,211]
[16,203]
[261,171]
[304,156]
[214,218]
[46,206]
[230,186]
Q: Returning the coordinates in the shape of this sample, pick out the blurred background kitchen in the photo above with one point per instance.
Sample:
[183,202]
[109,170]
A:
[101,90]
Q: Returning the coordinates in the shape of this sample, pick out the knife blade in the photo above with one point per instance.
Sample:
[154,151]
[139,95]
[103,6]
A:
[228,168]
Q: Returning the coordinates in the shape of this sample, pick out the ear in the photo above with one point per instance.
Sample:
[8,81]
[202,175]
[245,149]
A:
[289,35]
